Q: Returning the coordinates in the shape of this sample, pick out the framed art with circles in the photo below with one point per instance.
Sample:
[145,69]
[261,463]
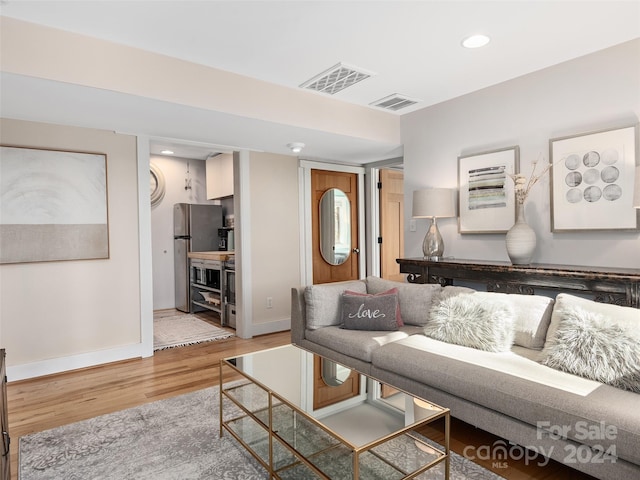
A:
[592,180]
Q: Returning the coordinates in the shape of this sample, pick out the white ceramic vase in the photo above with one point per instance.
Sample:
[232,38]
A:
[521,239]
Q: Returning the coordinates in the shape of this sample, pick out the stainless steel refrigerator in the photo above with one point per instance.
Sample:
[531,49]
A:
[195,229]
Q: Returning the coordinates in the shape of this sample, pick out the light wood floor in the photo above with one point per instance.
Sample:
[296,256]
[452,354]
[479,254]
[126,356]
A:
[47,402]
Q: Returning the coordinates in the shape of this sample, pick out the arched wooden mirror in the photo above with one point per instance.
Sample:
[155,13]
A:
[335,226]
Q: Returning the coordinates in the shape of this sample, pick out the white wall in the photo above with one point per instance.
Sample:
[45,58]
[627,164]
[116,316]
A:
[174,170]
[59,311]
[595,92]
[275,237]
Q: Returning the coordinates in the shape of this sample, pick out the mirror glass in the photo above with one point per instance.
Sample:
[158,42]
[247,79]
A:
[334,374]
[335,226]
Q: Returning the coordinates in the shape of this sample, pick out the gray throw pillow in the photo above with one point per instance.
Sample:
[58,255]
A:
[415,298]
[324,302]
[391,291]
[370,312]
[472,322]
[588,344]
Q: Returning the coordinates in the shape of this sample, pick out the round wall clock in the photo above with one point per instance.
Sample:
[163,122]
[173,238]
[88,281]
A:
[156,184]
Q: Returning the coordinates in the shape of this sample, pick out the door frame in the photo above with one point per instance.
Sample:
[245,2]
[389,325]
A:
[368,213]
[305,202]
[372,171]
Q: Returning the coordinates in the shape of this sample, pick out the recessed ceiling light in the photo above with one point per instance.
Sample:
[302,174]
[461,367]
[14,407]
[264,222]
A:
[296,147]
[475,41]
[167,152]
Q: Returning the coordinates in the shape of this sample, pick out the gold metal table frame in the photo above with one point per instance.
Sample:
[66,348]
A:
[289,443]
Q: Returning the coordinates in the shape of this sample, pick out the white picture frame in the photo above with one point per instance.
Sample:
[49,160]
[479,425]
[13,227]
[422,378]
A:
[592,180]
[486,198]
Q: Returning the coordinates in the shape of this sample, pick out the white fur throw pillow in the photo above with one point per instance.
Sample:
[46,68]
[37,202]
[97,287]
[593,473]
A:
[472,322]
[590,345]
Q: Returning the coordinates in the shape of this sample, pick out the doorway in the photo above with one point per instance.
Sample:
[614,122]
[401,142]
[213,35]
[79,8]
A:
[387,216]
[334,218]
[391,239]
[181,166]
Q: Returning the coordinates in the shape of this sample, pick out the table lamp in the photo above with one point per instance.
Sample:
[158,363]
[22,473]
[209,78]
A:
[434,203]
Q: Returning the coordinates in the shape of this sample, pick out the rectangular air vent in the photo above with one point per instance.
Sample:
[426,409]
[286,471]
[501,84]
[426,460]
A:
[335,79]
[394,102]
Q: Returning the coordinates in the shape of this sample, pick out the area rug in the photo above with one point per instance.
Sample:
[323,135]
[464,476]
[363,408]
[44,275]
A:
[177,438]
[181,330]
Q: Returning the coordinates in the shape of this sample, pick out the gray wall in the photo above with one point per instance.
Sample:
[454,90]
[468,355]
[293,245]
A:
[591,93]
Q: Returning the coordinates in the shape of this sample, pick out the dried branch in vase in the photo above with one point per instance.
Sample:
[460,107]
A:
[522,186]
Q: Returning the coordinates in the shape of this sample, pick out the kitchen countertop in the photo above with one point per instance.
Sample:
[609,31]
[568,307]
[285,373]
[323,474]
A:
[215,255]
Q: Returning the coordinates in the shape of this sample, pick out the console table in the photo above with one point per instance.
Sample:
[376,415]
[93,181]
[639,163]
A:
[620,286]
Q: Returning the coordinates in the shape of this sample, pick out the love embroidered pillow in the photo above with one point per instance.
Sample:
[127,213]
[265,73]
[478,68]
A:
[391,291]
[370,312]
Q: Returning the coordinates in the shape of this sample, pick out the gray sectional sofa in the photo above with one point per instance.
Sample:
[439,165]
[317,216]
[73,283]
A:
[519,394]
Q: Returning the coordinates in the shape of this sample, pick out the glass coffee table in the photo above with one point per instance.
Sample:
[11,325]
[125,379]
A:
[267,407]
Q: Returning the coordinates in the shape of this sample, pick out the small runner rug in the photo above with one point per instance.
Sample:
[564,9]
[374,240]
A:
[177,438]
[185,329]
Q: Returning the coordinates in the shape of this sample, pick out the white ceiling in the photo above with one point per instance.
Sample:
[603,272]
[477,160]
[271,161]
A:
[412,47]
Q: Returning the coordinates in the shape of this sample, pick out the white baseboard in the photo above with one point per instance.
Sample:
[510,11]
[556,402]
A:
[91,359]
[270,327]
[74,362]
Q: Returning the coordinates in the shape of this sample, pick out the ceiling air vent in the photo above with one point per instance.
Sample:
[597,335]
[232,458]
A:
[335,79]
[394,102]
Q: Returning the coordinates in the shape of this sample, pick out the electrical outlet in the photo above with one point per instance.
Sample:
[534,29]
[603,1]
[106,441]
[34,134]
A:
[269,302]
[412,225]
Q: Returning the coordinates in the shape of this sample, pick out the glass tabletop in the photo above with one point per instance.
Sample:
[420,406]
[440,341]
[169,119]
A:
[287,371]
[372,433]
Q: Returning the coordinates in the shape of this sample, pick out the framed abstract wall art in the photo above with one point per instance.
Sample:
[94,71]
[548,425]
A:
[486,192]
[53,205]
[592,181]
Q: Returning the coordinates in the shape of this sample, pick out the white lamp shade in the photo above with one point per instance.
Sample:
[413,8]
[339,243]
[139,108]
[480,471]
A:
[636,189]
[434,202]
